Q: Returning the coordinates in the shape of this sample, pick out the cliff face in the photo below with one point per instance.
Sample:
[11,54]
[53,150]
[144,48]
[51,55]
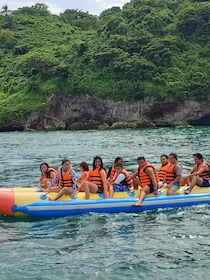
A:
[83,111]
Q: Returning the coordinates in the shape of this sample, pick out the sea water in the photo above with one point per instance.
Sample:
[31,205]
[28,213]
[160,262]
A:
[162,244]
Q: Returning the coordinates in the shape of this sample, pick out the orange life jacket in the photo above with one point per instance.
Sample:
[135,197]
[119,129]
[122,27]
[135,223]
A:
[127,181]
[84,174]
[46,176]
[65,180]
[144,178]
[206,174]
[170,173]
[95,176]
[162,172]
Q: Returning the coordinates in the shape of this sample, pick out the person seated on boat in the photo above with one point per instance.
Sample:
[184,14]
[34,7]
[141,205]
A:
[199,174]
[84,172]
[111,171]
[173,174]
[122,181]
[47,174]
[148,179]
[161,173]
[95,181]
[65,178]
[135,176]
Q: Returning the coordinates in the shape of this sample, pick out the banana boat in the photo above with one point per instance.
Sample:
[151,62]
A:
[35,202]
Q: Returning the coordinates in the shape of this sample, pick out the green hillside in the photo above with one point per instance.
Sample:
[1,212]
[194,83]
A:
[149,48]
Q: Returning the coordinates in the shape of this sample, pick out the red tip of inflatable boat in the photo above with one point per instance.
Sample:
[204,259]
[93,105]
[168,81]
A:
[7,200]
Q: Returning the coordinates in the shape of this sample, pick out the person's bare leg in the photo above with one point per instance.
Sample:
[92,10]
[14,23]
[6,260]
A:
[144,191]
[195,180]
[111,191]
[65,190]
[55,189]
[171,191]
[89,187]
[61,193]
[136,183]
[192,183]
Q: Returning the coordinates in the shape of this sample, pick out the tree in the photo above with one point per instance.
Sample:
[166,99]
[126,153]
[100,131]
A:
[38,62]
[79,19]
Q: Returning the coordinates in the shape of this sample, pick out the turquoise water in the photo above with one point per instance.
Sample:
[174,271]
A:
[163,244]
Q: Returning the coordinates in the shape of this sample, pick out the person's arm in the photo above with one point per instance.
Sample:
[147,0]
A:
[79,179]
[104,182]
[73,177]
[135,174]
[200,171]
[83,182]
[191,171]
[150,172]
[53,182]
[178,172]
[119,179]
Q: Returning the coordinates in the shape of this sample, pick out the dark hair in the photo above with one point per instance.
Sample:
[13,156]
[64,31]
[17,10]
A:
[199,156]
[140,158]
[117,159]
[174,155]
[84,165]
[164,156]
[65,160]
[44,163]
[118,164]
[94,160]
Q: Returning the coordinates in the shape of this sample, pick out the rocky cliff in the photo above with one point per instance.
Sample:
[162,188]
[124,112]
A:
[82,111]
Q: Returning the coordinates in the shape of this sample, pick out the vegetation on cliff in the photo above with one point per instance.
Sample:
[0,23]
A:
[148,48]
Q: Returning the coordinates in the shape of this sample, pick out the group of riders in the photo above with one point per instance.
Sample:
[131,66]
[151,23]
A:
[117,179]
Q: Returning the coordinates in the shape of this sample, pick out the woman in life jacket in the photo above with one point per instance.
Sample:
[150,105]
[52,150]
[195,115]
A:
[65,178]
[95,181]
[111,170]
[84,172]
[47,174]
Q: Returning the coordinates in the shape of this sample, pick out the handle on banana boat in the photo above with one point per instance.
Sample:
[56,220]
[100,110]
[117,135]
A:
[45,196]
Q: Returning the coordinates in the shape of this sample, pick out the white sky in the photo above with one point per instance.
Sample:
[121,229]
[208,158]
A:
[57,6]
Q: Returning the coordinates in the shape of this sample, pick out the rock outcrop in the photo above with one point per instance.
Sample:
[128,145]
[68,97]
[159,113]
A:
[82,111]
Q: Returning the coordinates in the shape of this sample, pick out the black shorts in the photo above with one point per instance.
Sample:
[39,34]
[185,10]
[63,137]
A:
[151,189]
[206,183]
[100,189]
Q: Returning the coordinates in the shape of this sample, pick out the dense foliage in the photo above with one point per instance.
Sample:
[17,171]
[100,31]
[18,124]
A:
[148,48]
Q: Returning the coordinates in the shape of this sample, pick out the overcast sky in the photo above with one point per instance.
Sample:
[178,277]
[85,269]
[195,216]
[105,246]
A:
[58,6]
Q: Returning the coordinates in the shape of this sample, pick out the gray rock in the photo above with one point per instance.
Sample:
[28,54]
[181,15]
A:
[104,126]
[82,111]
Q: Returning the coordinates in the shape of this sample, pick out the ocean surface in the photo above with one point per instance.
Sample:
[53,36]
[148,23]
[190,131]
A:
[164,244]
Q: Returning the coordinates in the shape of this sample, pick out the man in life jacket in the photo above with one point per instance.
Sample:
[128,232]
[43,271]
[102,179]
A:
[65,178]
[173,174]
[199,174]
[122,181]
[161,173]
[148,179]
[136,175]
[47,174]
